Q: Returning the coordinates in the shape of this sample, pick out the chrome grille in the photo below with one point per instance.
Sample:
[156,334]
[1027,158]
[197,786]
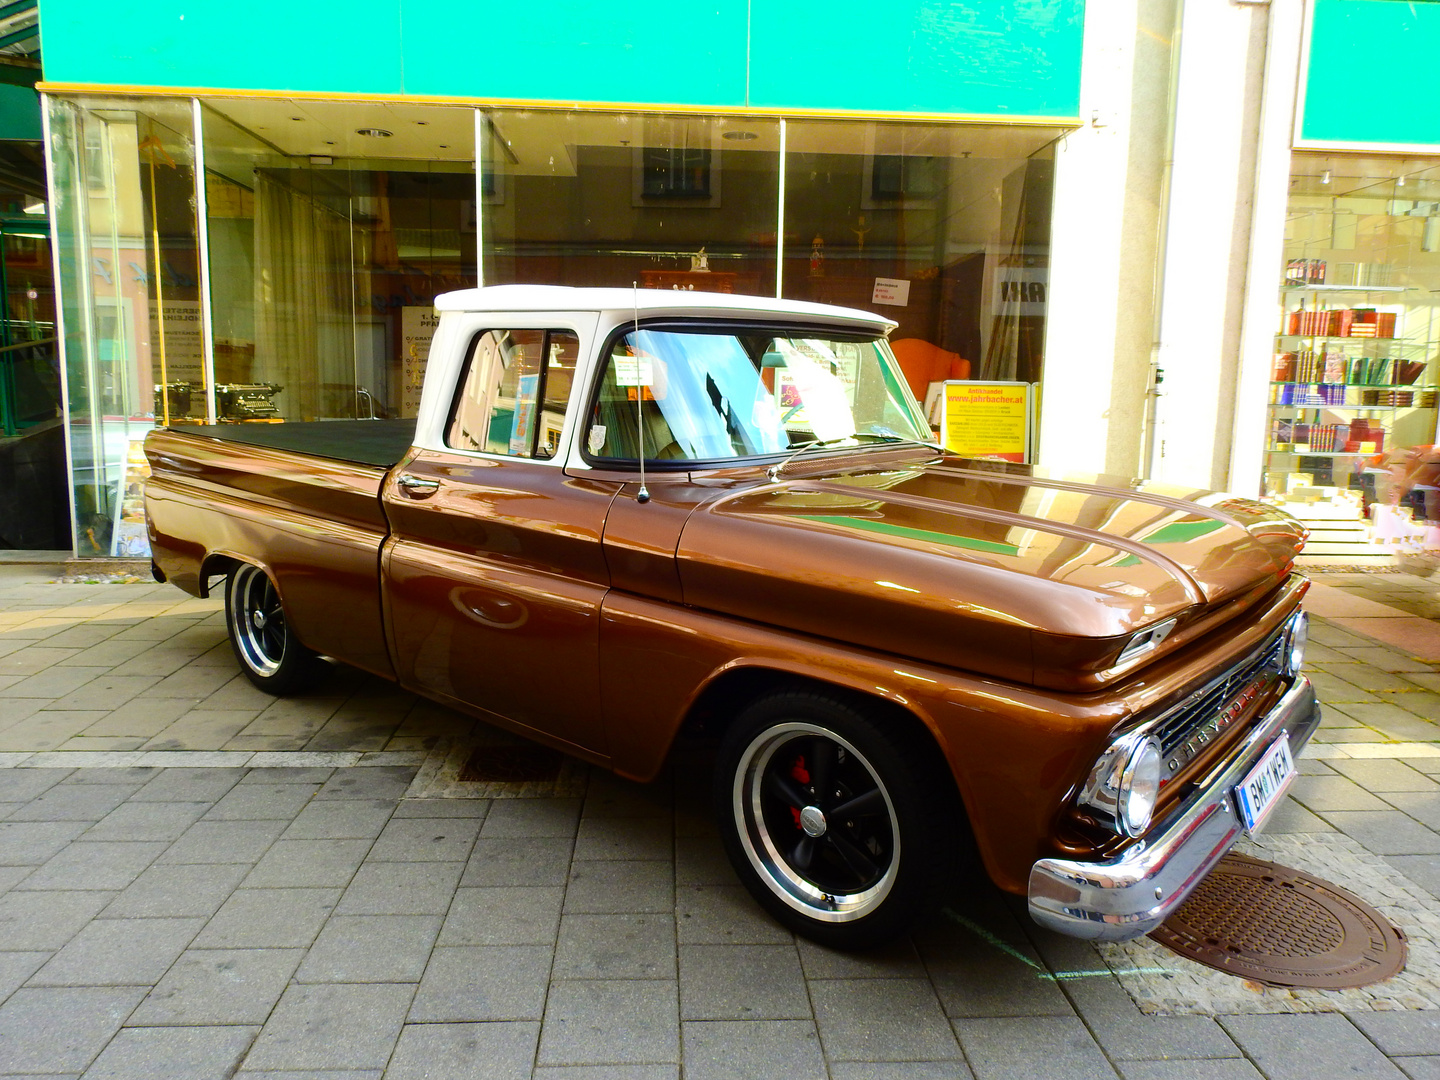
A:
[1187,730]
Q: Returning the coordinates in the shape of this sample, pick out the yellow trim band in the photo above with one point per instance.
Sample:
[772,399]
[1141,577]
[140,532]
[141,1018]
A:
[990,119]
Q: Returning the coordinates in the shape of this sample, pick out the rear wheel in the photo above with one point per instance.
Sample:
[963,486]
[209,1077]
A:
[833,822]
[269,653]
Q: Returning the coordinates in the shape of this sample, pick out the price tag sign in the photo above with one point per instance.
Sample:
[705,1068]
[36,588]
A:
[634,371]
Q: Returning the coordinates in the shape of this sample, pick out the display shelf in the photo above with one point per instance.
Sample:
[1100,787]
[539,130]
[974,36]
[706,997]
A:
[1325,453]
[1345,408]
[1356,385]
[1360,339]
[1348,288]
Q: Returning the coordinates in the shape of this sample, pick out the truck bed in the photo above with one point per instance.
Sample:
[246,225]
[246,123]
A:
[381,443]
[301,500]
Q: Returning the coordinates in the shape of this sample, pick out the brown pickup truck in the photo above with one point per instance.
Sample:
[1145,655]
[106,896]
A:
[623,513]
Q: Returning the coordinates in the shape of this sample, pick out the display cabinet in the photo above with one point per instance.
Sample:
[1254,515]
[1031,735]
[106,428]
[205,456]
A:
[1353,381]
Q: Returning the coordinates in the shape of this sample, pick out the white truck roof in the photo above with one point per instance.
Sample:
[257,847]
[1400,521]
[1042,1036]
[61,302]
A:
[650,302]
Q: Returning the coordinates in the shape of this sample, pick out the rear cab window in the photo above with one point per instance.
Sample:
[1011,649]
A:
[513,393]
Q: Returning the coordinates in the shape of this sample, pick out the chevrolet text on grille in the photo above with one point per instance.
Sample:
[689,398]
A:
[1218,723]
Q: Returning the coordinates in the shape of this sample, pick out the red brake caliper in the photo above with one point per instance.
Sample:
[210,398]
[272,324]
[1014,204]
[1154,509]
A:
[800,775]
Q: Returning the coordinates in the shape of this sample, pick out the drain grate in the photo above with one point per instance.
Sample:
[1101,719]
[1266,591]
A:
[1283,927]
[512,765]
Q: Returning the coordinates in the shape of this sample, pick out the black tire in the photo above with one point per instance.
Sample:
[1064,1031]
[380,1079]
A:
[853,863]
[268,651]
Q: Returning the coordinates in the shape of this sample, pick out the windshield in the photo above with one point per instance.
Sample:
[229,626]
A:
[704,396]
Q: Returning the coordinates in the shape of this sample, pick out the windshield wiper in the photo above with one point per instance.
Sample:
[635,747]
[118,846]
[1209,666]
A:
[773,473]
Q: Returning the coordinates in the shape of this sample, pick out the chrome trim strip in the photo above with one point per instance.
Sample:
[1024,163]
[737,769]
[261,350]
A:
[1131,894]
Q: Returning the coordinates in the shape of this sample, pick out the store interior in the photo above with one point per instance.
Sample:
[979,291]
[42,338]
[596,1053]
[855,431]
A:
[1353,391]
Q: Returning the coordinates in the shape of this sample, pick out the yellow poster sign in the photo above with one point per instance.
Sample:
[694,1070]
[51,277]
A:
[987,419]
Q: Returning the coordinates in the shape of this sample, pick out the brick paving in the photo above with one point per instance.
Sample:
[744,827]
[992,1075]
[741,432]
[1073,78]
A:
[200,881]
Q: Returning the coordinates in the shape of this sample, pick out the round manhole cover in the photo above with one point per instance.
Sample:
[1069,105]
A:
[1283,927]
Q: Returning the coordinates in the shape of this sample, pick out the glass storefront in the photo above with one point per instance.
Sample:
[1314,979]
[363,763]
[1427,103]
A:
[125,219]
[1353,391]
[297,281]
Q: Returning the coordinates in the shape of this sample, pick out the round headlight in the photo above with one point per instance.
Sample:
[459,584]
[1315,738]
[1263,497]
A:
[1297,636]
[1140,787]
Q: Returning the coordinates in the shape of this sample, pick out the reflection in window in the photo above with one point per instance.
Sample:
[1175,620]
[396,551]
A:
[509,403]
[675,172]
[690,396]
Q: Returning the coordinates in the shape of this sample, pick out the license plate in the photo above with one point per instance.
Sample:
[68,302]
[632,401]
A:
[1265,784]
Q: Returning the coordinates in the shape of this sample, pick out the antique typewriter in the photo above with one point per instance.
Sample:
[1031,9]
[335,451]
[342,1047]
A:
[247,402]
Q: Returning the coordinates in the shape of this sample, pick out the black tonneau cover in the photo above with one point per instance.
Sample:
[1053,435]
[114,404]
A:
[381,443]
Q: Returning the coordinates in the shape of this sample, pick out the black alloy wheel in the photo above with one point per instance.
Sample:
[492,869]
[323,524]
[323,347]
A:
[833,822]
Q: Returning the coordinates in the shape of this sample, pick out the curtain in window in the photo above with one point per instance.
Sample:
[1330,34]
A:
[303,302]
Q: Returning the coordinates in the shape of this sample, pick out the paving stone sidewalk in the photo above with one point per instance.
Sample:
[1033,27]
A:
[274,920]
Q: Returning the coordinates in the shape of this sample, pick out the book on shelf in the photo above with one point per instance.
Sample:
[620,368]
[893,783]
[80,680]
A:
[1333,368]
[1341,322]
[1305,272]
[1356,437]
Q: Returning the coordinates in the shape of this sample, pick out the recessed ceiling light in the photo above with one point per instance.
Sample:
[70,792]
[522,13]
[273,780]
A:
[374,133]
[740,136]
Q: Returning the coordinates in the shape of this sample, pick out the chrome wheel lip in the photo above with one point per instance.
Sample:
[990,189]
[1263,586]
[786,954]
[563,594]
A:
[250,588]
[765,855]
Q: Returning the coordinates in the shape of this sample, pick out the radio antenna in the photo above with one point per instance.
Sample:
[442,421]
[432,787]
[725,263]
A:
[643,495]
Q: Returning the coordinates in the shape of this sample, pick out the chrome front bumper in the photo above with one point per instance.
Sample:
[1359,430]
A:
[1131,895]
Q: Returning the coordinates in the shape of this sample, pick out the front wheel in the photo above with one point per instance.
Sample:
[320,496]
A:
[833,822]
[270,654]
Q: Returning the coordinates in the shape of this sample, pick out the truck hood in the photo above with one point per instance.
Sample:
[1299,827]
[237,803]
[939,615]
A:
[1013,572]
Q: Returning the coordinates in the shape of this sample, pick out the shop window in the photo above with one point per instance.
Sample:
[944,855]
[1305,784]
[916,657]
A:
[594,198]
[1352,411]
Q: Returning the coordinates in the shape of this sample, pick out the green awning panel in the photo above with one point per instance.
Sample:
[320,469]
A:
[1371,76]
[19,113]
[1009,58]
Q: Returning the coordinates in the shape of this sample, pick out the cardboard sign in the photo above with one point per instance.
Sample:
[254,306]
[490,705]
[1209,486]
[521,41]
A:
[987,419]
[417,330]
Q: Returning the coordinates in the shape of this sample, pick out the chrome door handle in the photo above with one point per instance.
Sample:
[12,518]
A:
[417,486]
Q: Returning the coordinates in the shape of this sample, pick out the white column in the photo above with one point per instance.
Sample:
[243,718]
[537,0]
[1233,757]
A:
[1109,176]
[1208,249]
[1267,247]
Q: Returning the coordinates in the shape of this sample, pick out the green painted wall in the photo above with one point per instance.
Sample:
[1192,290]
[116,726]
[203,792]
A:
[1372,73]
[19,113]
[988,57]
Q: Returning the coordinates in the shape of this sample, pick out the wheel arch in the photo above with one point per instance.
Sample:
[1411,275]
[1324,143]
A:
[730,689]
[220,563]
